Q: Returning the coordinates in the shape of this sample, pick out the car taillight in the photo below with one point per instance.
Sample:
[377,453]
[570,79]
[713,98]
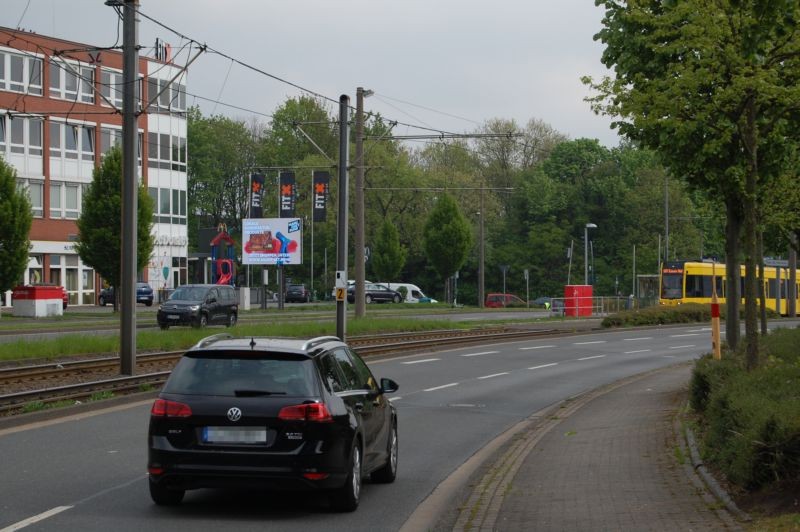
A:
[307,412]
[164,408]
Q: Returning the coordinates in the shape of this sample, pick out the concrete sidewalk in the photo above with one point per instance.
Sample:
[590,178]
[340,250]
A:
[611,459]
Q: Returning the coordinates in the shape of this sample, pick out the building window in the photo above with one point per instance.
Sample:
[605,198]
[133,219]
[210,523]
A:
[71,81]
[166,151]
[65,200]
[68,140]
[35,190]
[20,73]
[164,97]
[111,87]
[109,138]
[21,135]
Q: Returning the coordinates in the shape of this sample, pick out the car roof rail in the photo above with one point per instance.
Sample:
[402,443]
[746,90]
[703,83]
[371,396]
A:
[208,340]
[319,340]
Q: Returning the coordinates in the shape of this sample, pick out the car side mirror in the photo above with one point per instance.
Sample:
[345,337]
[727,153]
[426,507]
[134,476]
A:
[211,300]
[388,385]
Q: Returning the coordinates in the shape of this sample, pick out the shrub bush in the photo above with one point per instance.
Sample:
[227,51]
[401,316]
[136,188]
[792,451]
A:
[664,315]
[753,426]
[751,420]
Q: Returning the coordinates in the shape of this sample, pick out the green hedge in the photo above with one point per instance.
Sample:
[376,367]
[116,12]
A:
[664,315]
[751,420]
[660,315]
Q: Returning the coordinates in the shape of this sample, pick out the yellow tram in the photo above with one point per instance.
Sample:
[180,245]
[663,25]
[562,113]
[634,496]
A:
[691,282]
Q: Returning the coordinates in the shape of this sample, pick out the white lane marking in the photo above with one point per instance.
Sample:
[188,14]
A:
[544,366]
[587,343]
[681,346]
[480,354]
[642,338]
[421,361]
[392,399]
[589,358]
[702,329]
[668,356]
[536,347]
[639,351]
[440,387]
[492,376]
[35,519]
[682,335]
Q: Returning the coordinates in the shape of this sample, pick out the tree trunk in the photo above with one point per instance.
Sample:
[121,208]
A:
[733,228]
[750,246]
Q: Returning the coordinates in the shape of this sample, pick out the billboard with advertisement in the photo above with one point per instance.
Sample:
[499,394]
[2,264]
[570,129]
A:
[272,241]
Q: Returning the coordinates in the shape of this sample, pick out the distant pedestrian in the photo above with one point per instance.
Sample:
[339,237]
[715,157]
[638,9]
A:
[547,305]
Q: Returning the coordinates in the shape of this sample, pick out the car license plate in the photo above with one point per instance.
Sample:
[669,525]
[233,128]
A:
[173,317]
[234,435]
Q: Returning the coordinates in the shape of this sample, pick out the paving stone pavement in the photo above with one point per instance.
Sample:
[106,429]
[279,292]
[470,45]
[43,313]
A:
[609,462]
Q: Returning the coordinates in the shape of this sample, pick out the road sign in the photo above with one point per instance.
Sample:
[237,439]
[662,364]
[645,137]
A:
[340,294]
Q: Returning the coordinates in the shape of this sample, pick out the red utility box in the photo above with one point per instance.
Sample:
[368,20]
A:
[38,301]
[578,300]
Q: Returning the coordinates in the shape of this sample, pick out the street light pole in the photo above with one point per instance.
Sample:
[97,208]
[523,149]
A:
[359,257]
[586,251]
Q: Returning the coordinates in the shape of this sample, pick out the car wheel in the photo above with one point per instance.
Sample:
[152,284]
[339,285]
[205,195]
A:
[163,326]
[345,499]
[396,299]
[368,299]
[102,301]
[164,496]
[308,299]
[388,472]
[231,320]
[148,303]
[202,321]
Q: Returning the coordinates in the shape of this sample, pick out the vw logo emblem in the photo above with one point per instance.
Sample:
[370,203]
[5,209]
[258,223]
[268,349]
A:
[234,414]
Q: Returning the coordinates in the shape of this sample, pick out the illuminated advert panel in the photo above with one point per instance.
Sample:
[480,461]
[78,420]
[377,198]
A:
[272,241]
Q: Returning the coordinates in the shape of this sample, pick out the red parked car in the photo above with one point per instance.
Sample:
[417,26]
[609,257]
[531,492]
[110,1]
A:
[503,300]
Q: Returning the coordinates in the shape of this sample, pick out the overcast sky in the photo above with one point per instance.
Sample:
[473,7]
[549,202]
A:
[459,62]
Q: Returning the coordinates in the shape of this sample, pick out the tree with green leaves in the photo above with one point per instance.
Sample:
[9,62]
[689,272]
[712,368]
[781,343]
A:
[712,87]
[447,237]
[223,153]
[15,219]
[99,226]
[388,256]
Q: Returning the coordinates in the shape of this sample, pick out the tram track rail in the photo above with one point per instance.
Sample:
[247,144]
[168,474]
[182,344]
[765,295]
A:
[41,386]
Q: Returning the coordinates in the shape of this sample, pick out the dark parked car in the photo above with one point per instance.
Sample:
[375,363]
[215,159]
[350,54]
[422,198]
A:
[297,293]
[199,305]
[374,292]
[264,413]
[144,294]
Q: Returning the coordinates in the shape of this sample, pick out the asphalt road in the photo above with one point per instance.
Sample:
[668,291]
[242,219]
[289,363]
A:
[87,472]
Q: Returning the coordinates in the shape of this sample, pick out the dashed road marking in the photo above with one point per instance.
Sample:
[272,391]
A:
[682,335]
[634,339]
[492,375]
[638,351]
[421,361]
[536,347]
[480,354]
[544,366]
[35,519]
[589,358]
[440,387]
[681,346]
[587,343]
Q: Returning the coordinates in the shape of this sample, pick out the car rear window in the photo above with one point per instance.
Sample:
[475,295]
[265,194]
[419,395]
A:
[224,373]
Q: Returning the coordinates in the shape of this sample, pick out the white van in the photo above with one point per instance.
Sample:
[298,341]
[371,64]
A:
[414,293]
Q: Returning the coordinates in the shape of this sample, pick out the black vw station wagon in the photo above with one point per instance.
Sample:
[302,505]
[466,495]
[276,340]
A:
[199,305]
[272,413]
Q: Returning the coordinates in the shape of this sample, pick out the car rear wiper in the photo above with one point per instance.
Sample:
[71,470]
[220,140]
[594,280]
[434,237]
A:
[255,393]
